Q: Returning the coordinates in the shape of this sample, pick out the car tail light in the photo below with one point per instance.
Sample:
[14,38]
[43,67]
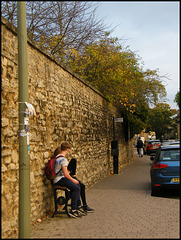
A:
[160,165]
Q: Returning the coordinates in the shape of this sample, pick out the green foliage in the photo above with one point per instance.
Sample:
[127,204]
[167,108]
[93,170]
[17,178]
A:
[69,31]
[177,99]
[160,119]
[116,73]
[136,120]
[133,122]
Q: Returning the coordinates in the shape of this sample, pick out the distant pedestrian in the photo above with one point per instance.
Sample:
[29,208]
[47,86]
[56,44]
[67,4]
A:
[140,147]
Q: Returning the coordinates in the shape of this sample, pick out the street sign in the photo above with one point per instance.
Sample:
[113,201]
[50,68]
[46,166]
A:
[118,119]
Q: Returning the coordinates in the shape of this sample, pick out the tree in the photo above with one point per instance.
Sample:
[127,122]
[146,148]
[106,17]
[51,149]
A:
[116,73]
[9,11]
[59,26]
[69,31]
[160,119]
[177,99]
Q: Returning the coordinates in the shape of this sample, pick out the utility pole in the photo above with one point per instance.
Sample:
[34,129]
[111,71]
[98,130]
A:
[115,150]
[24,164]
[128,142]
[114,129]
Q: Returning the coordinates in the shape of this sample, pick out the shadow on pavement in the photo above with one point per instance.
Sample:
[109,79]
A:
[169,193]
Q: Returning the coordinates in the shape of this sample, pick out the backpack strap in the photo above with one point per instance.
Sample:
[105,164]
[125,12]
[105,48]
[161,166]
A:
[55,160]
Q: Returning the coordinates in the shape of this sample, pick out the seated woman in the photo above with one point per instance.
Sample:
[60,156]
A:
[72,168]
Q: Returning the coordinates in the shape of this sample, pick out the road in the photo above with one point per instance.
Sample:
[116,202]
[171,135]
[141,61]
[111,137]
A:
[123,207]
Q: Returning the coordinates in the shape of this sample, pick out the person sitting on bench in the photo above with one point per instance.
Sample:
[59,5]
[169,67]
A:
[64,179]
[72,168]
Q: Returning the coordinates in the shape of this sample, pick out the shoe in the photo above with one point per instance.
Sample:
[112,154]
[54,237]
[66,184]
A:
[74,214]
[88,209]
[81,211]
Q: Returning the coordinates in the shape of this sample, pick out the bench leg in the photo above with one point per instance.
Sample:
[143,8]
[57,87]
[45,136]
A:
[55,201]
[67,197]
[66,207]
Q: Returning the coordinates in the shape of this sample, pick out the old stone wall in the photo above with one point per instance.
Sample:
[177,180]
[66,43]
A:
[67,109]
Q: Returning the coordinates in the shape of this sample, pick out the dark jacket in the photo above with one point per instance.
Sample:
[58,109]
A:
[139,143]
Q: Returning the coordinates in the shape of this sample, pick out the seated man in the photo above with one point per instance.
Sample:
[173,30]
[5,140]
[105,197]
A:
[64,179]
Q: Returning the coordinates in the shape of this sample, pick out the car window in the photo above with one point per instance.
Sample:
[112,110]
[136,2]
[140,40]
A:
[155,143]
[170,154]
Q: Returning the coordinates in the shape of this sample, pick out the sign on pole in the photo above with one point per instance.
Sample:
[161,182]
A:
[118,119]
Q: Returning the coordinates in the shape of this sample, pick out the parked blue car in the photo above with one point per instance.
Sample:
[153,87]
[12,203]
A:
[165,168]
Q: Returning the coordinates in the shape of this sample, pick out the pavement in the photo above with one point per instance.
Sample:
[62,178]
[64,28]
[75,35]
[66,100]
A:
[124,209]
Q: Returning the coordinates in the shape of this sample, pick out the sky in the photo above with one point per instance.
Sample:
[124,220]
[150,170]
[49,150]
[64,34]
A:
[151,30]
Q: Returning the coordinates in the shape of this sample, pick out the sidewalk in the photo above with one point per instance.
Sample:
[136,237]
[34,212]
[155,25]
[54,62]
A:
[123,207]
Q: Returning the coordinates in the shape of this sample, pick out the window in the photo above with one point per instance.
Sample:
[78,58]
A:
[170,155]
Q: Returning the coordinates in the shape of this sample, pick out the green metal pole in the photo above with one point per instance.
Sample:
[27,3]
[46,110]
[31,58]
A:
[128,142]
[24,165]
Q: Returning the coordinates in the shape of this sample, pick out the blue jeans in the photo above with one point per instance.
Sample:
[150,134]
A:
[74,191]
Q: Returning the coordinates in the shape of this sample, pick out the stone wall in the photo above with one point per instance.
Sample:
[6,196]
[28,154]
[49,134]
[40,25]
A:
[67,109]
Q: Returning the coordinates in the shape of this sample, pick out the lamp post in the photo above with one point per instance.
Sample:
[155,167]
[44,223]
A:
[24,164]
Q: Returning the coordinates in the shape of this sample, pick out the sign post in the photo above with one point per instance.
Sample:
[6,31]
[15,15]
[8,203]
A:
[115,147]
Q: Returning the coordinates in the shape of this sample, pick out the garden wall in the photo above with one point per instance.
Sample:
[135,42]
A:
[67,109]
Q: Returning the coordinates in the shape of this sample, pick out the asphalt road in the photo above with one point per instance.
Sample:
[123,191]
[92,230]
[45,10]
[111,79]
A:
[124,209]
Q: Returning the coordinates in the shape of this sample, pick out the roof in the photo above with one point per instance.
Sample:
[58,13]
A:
[171,146]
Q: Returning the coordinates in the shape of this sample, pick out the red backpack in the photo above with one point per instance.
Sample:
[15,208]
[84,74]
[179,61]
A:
[50,168]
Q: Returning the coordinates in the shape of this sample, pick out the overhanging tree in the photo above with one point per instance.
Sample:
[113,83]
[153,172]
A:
[117,74]
[69,31]
[59,26]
